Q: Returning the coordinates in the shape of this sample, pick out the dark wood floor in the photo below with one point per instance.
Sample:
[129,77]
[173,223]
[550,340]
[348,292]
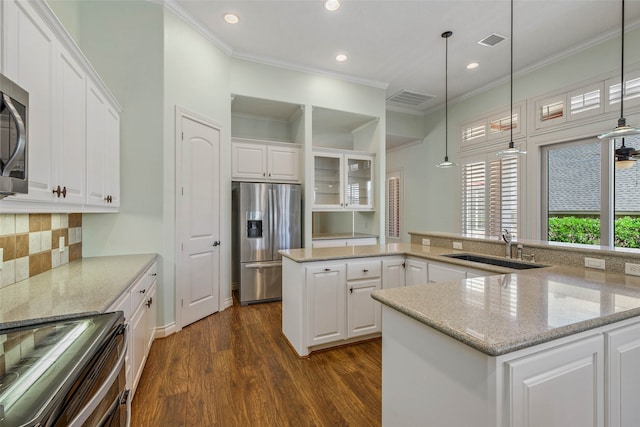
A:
[235,368]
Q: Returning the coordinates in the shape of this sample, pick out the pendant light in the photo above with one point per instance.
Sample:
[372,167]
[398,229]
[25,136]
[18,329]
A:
[512,150]
[446,163]
[622,130]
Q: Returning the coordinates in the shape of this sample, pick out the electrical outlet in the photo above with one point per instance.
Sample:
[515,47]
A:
[426,242]
[632,269]
[61,244]
[457,245]
[594,263]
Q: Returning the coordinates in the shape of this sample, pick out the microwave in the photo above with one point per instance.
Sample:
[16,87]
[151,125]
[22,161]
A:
[14,106]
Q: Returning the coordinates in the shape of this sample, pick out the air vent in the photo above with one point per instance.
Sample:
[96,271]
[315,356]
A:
[409,98]
[492,39]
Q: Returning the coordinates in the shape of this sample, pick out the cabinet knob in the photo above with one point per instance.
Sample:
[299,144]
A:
[142,291]
[64,192]
[149,301]
[365,270]
[216,243]
[351,289]
[57,191]
[327,269]
[264,174]
[154,274]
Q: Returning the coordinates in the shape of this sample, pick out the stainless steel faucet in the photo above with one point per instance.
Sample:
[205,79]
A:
[507,237]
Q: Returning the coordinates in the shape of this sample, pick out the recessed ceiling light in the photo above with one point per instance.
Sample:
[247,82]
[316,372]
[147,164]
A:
[231,18]
[341,57]
[472,65]
[332,5]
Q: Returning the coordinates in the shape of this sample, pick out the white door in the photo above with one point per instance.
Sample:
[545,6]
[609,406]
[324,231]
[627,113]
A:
[197,219]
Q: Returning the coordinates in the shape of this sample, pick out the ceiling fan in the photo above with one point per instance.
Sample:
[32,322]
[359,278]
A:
[626,156]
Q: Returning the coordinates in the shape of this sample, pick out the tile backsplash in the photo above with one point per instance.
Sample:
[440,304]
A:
[31,243]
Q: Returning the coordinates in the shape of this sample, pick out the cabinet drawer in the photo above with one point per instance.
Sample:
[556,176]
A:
[363,269]
[142,286]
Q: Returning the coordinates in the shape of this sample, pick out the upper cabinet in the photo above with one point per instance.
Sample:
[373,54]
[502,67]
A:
[264,161]
[40,56]
[343,160]
[266,140]
[342,180]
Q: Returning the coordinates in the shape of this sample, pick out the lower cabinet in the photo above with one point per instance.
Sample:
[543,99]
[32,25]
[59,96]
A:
[339,306]
[393,272]
[139,306]
[559,387]
[416,272]
[623,376]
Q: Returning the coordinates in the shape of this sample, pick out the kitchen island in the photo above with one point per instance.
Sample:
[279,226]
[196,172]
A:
[551,346]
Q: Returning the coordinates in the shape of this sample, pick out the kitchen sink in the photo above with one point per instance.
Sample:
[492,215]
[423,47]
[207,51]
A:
[508,263]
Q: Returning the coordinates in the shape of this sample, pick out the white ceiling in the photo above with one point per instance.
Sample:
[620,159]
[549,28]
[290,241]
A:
[397,44]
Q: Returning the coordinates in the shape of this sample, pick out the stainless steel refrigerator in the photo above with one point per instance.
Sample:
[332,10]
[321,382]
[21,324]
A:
[266,218]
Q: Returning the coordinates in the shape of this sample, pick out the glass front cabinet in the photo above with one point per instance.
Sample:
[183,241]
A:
[343,181]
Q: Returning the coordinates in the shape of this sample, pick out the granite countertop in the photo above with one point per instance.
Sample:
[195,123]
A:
[83,285]
[504,312]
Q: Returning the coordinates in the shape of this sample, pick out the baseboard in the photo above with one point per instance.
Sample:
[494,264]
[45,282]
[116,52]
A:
[165,331]
[228,302]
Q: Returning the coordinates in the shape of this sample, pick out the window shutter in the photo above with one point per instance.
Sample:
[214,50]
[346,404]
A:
[393,207]
[631,91]
[473,199]
[503,196]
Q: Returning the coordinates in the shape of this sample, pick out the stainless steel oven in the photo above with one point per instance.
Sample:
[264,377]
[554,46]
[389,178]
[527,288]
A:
[14,106]
[65,372]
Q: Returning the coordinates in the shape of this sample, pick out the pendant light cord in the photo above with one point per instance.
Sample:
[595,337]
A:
[622,66]
[446,97]
[511,144]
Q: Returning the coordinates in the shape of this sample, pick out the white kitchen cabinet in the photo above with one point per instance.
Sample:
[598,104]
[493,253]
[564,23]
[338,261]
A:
[444,273]
[623,376]
[343,181]
[364,314]
[326,303]
[41,57]
[559,387]
[103,148]
[393,272]
[263,161]
[140,309]
[416,271]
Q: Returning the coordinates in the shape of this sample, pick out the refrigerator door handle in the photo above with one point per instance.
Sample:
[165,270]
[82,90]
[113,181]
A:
[264,265]
[272,230]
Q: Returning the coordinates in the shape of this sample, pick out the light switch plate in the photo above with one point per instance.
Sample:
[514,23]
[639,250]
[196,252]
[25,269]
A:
[457,245]
[61,244]
[632,269]
[594,263]
[426,242]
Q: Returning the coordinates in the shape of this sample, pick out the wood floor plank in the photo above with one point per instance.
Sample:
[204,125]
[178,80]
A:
[235,368]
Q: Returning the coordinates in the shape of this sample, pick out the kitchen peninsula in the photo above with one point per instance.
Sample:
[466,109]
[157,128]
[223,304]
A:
[552,346]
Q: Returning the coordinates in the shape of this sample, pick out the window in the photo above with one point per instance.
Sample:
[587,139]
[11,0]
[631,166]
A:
[474,132]
[631,91]
[490,197]
[586,101]
[394,190]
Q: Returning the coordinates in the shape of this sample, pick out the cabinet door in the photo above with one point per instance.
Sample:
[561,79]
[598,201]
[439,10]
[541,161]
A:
[326,303]
[151,306]
[283,163]
[328,181]
[112,158]
[393,273]
[358,192]
[623,347]
[70,137]
[415,272]
[443,273]
[363,312]
[248,161]
[30,62]
[138,330]
[96,144]
[559,387]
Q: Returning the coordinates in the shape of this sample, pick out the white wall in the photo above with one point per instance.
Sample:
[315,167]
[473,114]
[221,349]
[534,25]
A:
[432,195]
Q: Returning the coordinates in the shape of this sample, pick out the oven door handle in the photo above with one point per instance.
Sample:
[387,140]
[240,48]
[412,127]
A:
[88,409]
[18,151]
